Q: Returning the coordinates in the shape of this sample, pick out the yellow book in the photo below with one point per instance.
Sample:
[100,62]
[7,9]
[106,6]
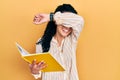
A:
[52,64]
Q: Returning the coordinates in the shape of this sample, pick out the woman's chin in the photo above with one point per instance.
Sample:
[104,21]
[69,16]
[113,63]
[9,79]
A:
[65,35]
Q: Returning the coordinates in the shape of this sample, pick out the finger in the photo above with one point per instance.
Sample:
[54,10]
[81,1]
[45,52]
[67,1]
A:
[34,62]
[40,18]
[34,19]
[40,63]
[44,66]
[30,65]
[37,15]
[37,23]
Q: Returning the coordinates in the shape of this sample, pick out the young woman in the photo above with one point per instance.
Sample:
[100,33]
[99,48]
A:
[60,39]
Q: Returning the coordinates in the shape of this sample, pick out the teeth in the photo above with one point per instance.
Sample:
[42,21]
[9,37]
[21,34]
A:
[65,30]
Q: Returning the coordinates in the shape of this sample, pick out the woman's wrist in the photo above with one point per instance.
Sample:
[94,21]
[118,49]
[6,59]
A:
[37,75]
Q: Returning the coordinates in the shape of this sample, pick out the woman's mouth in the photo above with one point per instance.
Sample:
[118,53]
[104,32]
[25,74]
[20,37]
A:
[65,30]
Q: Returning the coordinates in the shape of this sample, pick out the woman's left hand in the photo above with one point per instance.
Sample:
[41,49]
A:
[36,67]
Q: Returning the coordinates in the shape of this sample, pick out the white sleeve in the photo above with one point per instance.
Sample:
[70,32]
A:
[70,20]
[36,76]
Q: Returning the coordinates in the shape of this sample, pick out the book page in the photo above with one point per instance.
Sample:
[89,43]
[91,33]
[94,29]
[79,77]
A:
[21,50]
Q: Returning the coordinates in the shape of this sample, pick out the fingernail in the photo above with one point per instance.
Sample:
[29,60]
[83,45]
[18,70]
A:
[42,61]
[34,59]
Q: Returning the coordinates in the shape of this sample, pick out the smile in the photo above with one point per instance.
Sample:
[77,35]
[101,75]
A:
[65,30]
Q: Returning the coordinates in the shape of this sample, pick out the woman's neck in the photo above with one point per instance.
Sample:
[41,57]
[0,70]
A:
[59,39]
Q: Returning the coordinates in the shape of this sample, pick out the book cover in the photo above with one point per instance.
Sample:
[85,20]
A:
[53,65]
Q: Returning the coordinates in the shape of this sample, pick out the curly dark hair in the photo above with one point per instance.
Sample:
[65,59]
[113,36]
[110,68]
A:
[51,27]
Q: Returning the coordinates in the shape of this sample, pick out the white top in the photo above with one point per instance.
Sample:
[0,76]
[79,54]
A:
[66,53]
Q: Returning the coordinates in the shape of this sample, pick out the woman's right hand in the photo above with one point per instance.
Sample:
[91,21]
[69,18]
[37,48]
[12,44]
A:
[36,67]
[41,18]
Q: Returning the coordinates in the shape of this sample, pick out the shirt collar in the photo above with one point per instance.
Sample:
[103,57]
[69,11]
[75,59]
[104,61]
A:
[55,41]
